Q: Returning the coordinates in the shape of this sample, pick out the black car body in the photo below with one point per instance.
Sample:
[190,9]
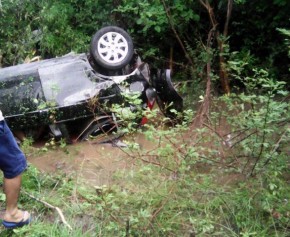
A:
[59,92]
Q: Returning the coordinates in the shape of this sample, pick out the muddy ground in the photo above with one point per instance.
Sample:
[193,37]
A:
[90,162]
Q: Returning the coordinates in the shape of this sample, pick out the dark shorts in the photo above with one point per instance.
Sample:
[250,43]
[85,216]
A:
[12,159]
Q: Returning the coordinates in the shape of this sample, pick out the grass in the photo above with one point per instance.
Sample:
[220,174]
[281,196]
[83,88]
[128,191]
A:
[149,202]
[178,186]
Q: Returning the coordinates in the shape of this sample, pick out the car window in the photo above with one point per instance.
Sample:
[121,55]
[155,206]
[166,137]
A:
[68,78]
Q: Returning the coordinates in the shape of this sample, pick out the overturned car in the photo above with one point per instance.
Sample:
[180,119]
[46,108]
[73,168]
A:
[71,96]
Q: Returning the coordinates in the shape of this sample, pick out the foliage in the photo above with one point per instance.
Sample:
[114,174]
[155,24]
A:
[157,27]
[179,186]
[255,29]
[44,32]
[227,178]
[261,111]
[152,30]
[287,34]
[129,113]
[18,16]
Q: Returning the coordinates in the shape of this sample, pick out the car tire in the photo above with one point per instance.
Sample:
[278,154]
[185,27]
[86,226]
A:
[167,97]
[101,129]
[111,48]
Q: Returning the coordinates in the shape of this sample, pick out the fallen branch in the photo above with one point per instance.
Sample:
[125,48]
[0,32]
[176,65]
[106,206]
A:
[50,206]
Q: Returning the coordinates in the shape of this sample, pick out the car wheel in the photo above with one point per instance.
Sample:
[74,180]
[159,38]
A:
[167,97]
[112,48]
[101,131]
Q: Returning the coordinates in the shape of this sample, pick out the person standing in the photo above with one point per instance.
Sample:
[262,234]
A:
[12,164]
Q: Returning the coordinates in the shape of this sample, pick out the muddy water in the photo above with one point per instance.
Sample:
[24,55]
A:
[94,164]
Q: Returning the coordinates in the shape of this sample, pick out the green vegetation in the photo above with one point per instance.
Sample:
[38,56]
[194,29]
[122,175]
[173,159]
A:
[188,183]
[222,171]
[226,178]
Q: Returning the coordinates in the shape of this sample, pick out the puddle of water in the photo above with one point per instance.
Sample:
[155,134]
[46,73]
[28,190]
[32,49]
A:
[92,163]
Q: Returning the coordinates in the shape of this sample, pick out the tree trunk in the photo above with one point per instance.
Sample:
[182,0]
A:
[223,74]
[224,79]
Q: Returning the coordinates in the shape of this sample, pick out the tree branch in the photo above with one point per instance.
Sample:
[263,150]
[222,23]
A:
[175,33]
[51,207]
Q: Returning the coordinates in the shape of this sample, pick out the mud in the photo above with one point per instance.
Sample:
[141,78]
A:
[89,162]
